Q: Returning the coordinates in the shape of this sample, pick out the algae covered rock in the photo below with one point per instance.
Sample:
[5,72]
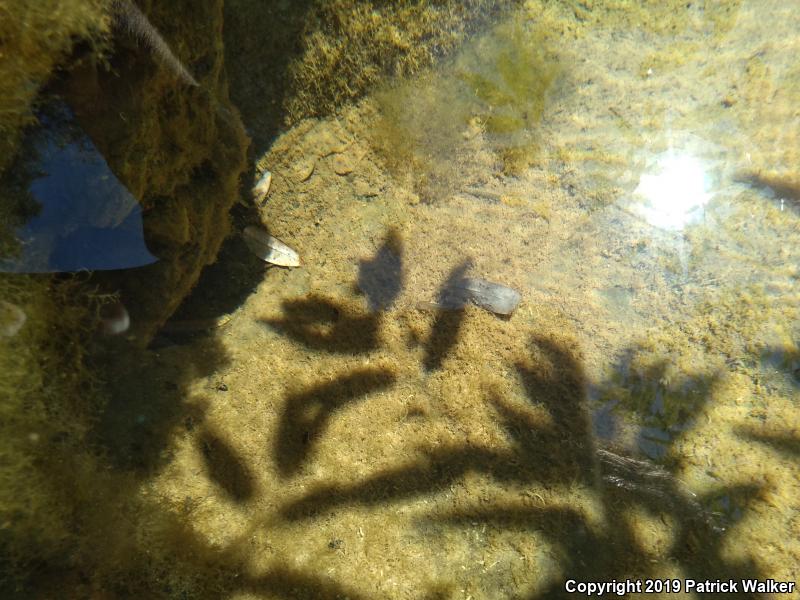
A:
[35,37]
[145,82]
[149,91]
[179,148]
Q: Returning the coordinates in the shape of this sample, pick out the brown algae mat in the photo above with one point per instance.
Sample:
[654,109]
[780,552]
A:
[635,417]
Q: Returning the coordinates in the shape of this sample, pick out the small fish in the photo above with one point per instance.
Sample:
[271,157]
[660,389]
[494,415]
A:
[269,249]
[261,188]
[459,291]
[494,297]
[196,325]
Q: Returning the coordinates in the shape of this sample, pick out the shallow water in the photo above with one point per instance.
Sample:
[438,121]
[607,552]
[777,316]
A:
[400,451]
[80,216]
[637,414]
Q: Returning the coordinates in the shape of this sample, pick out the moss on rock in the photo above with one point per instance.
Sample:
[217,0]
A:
[69,525]
[178,148]
[35,37]
[295,60]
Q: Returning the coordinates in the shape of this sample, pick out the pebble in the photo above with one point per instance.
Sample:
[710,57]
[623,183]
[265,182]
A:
[114,318]
[328,142]
[302,170]
[494,297]
[342,165]
[365,189]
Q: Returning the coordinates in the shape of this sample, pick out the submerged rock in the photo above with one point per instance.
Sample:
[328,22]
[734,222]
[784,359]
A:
[179,148]
[459,291]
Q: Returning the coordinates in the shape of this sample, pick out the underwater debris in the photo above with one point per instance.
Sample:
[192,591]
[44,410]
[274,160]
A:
[261,188]
[484,193]
[114,318]
[494,297]
[651,480]
[129,17]
[12,318]
[270,249]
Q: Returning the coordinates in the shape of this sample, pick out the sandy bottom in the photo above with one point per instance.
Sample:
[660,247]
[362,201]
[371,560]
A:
[636,417]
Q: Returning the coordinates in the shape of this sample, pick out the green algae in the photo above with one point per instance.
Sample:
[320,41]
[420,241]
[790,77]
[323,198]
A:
[494,89]
[509,74]
[309,58]
[49,395]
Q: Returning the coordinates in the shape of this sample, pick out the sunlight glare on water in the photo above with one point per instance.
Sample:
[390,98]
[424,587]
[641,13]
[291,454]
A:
[676,193]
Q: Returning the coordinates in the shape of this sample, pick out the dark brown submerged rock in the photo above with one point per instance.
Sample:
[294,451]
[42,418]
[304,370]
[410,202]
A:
[178,147]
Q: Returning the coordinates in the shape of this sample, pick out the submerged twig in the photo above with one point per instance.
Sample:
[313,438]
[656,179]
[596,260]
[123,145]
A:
[649,479]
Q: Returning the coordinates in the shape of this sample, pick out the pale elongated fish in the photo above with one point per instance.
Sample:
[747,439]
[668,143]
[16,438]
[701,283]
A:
[494,297]
[459,291]
[269,249]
